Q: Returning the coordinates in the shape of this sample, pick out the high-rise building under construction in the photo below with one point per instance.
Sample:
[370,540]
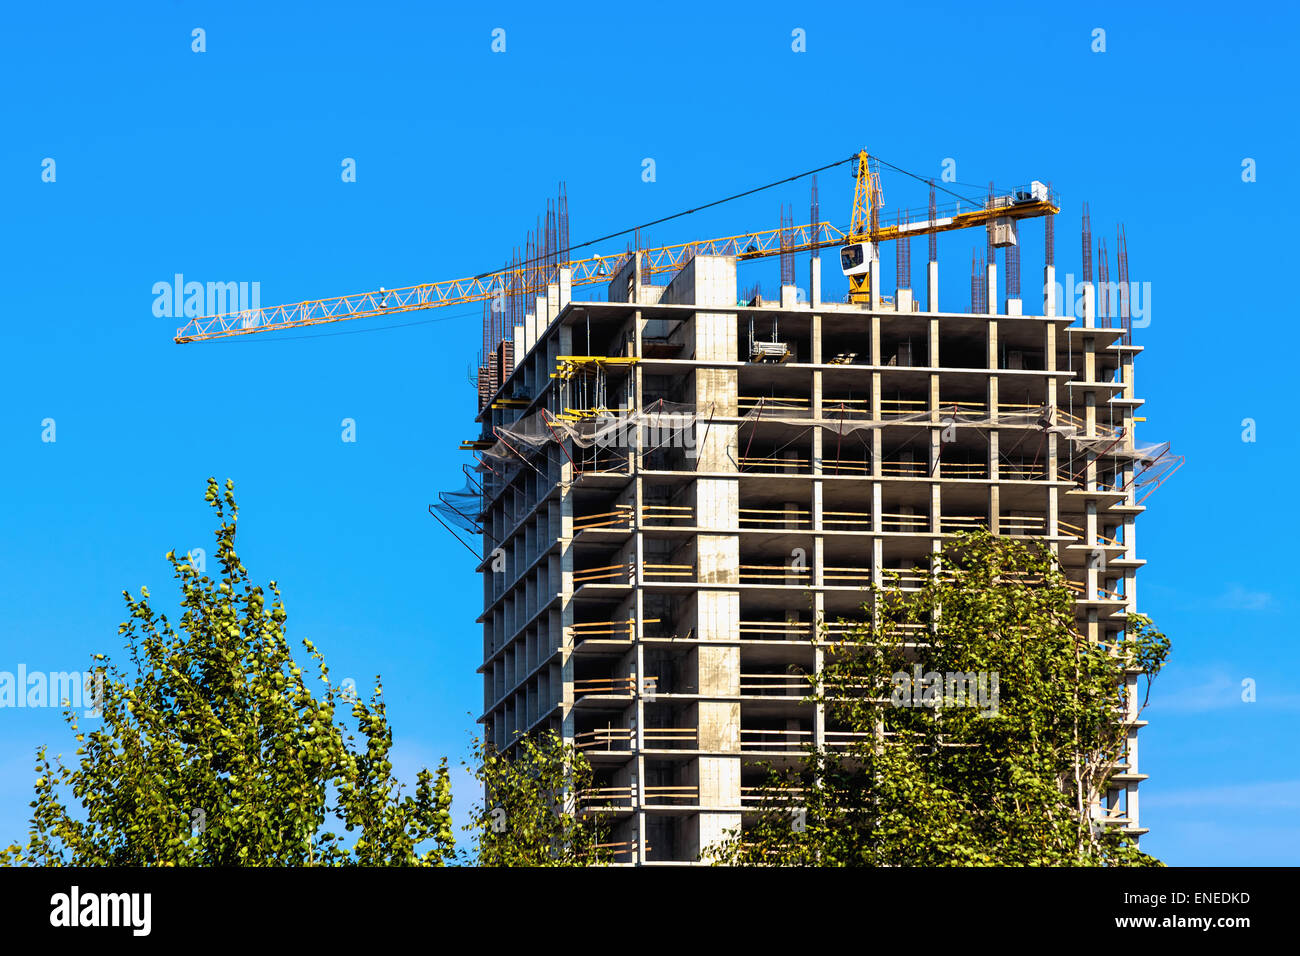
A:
[681,485]
[682,490]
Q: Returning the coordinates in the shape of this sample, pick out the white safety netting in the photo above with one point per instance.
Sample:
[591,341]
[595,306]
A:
[649,428]
[627,429]
[845,420]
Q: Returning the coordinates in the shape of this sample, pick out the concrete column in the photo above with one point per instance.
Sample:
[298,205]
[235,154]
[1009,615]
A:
[992,397]
[1089,305]
[818,562]
[932,287]
[715,337]
[1049,290]
[875,284]
[815,281]
[718,776]
[635,784]
[565,536]
[552,307]
[936,433]
[1053,509]
[1091,566]
[995,493]
[818,434]
[565,288]
[877,439]
[819,662]
[992,271]
[637,769]
[1090,426]
[1130,549]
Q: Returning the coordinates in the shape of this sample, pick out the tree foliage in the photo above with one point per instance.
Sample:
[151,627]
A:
[950,784]
[214,751]
[530,815]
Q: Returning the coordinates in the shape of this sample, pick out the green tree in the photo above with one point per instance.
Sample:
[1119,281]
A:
[530,815]
[948,784]
[214,751]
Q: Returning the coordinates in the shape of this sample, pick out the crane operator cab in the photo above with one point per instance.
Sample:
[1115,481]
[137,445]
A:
[855,258]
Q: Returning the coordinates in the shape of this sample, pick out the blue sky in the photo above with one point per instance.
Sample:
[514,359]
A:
[225,166]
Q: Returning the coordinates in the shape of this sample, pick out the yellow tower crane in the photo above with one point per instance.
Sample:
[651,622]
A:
[858,250]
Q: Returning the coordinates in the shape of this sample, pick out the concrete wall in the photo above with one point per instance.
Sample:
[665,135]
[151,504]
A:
[704,280]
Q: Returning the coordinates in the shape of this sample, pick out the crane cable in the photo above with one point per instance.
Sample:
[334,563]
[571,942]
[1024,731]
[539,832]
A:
[677,215]
[632,229]
[536,260]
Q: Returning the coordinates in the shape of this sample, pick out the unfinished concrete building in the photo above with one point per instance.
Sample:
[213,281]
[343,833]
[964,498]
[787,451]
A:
[654,594]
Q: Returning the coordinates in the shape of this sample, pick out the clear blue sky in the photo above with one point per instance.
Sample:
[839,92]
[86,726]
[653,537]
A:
[225,165]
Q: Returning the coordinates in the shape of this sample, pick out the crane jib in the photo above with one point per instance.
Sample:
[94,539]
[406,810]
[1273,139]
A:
[656,261]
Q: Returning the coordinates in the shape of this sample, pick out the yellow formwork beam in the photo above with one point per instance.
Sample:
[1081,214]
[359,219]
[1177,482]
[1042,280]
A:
[567,366]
